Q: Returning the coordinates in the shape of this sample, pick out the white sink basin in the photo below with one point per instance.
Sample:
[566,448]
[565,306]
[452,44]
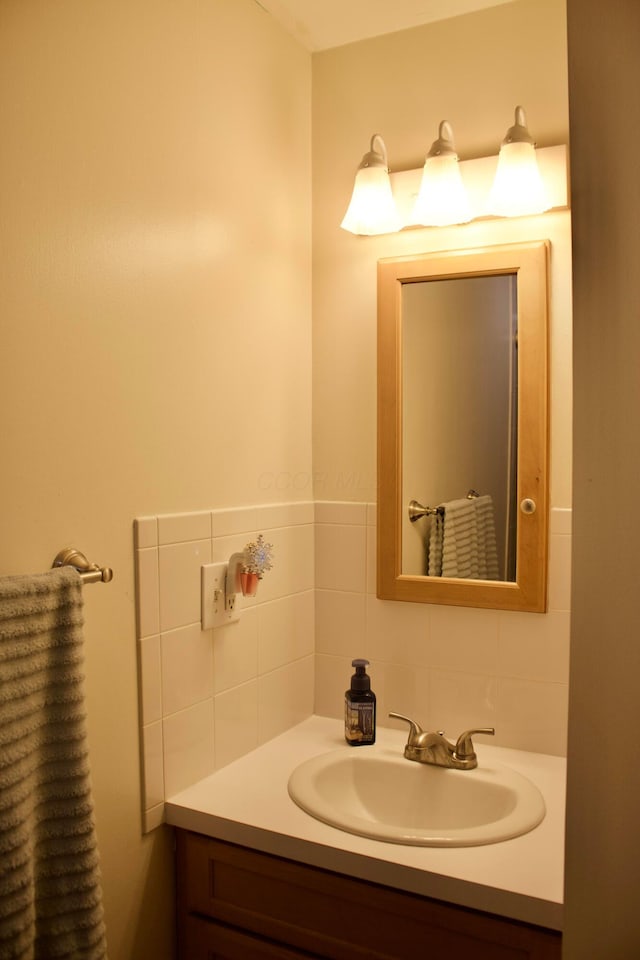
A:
[375,792]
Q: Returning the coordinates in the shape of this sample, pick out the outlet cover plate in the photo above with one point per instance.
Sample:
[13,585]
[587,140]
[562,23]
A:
[212,608]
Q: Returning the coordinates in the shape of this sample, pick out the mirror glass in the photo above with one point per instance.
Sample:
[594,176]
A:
[462,427]
[459,403]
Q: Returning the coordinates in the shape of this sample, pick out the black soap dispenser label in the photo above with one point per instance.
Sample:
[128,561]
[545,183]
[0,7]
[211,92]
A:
[360,707]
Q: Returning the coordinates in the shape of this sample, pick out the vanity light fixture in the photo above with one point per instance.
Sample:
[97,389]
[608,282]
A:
[372,209]
[442,199]
[517,188]
[521,181]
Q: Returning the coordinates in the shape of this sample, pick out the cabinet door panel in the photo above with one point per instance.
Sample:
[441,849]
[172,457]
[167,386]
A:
[322,914]
[206,940]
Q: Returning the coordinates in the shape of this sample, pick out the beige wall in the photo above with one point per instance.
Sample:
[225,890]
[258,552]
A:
[155,177]
[603,828]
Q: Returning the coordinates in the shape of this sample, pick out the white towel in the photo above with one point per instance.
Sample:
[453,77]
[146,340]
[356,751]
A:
[468,540]
[50,895]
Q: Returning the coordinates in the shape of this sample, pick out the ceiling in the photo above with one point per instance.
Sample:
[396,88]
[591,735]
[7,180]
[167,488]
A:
[320,24]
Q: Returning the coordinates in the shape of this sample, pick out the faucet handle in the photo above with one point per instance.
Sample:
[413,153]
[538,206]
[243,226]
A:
[415,731]
[464,743]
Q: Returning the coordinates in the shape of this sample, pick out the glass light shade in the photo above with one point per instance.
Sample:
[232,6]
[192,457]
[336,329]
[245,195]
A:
[517,188]
[372,209]
[442,199]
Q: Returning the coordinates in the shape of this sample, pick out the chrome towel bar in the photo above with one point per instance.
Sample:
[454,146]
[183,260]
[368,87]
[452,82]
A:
[89,572]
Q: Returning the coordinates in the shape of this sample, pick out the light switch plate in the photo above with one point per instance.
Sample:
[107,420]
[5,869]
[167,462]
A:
[213,612]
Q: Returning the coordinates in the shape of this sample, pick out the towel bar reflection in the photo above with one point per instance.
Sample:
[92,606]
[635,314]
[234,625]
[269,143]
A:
[416,510]
[89,572]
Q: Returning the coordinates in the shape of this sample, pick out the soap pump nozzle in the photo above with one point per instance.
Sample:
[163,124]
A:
[360,679]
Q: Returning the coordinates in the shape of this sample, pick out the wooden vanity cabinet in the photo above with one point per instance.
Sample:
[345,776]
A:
[237,904]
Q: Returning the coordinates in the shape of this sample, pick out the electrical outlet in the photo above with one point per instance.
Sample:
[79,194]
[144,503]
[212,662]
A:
[213,611]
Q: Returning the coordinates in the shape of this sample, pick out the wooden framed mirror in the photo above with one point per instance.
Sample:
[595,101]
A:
[463,427]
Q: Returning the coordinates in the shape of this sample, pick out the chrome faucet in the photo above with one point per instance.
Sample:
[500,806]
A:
[435,748]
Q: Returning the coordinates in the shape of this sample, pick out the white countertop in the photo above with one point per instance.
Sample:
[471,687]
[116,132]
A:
[247,803]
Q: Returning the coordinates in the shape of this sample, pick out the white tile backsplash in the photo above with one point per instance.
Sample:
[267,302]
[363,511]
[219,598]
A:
[179,565]
[331,681]
[560,520]
[235,652]
[285,515]
[187,667]
[461,701]
[402,689]
[286,630]
[329,511]
[153,817]
[293,569]
[227,523]
[340,557]
[153,767]
[236,722]
[464,639]
[534,647]
[371,549]
[180,527]
[533,715]
[340,622]
[150,679]
[285,697]
[209,697]
[397,632]
[147,592]
[559,572]
[188,746]
[145,532]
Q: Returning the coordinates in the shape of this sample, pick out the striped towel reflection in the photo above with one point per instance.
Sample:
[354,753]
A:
[463,542]
[436,534]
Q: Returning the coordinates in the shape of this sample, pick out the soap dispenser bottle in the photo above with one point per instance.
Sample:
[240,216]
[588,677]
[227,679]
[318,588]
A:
[360,708]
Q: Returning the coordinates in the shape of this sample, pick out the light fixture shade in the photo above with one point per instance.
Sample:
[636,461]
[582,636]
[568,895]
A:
[372,209]
[442,198]
[518,189]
